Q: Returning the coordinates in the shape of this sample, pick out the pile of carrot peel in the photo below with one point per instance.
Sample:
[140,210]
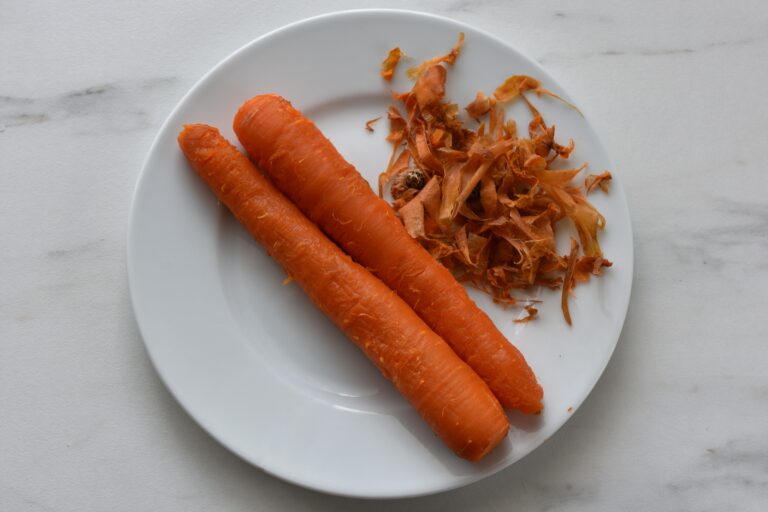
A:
[486,202]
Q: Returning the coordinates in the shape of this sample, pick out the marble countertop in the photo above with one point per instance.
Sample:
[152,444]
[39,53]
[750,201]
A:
[676,90]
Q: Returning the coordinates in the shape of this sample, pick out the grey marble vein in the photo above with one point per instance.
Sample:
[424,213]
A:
[118,100]
[28,501]
[74,251]
[559,496]
[737,466]
[464,6]
[571,16]
[656,52]
[741,226]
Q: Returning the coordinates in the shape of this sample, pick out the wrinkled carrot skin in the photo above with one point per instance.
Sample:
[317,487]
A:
[305,166]
[453,400]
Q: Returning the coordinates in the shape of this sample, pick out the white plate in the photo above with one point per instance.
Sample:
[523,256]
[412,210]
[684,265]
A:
[252,360]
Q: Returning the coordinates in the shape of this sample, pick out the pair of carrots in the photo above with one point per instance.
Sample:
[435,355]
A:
[412,319]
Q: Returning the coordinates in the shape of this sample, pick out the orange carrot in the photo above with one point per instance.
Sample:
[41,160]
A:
[306,167]
[452,399]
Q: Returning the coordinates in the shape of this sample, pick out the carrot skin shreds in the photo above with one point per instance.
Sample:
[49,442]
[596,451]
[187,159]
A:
[369,123]
[598,180]
[514,87]
[448,58]
[390,63]
[531,313]
[496,186]
[568,280]
[480,106]
[452,399]
[303,164]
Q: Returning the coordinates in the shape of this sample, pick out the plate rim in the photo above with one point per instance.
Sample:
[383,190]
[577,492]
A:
[141,184]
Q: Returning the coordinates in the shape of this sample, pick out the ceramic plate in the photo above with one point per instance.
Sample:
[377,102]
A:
[252,360]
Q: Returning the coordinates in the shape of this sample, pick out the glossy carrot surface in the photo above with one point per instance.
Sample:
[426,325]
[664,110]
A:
[306,167]
[452,399]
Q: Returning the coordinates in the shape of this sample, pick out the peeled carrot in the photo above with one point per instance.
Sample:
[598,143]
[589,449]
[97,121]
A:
[305,166]
[452,399]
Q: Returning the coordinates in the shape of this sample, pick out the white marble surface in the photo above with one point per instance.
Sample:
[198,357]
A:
[677,91]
